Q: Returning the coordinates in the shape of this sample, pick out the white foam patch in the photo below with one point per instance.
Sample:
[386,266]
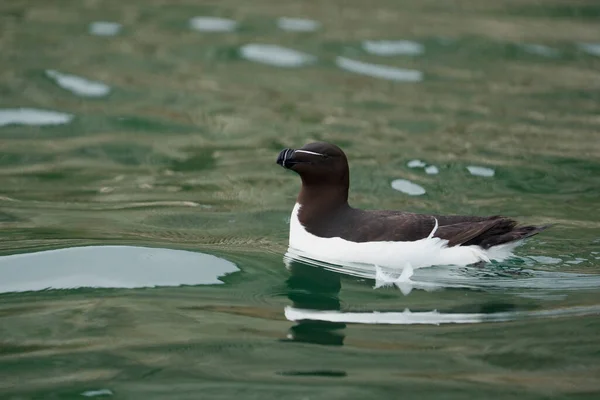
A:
[104,28]
[540,50]
[408,187]
[481,171]
[298,24]
[213,24]
[415,164]
[110,267]
[393,47]
[379,71]
[78,85]
[33,116]
[276,55]
[432,170]
[590,48]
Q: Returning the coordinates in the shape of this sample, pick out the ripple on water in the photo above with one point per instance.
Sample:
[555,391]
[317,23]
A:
[489,277]
[298,24]
[379,71]
[104,28]
[393,47]
[110,267]
[78,85]
[590,48]
[408,187]
[540,50]
[445,41]
[213,24]
[480,171]
[546,260]
[276,55]
[33,116]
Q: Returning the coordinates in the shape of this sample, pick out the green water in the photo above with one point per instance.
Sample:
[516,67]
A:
[181,155]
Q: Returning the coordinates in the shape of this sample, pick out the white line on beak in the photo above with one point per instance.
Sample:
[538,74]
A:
[310,152]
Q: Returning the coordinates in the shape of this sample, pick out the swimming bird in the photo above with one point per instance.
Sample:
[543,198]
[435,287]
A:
[324,226]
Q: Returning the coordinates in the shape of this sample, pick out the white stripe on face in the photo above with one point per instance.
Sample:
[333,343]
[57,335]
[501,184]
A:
[287,153]
[310,152]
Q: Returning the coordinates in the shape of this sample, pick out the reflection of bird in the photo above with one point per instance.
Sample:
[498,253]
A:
[325,227]
[315,289]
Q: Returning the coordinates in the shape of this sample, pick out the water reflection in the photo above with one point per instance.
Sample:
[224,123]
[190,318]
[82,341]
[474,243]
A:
[276,55]
[429,169]
[316,306]
[416,164]
[33,116]
[481,171]
[393,47]
[546,259]
[322,373]
[110,267]
[104,28]
[379,71]
[541,50]
[590,48]
[408,187]
[314,288]
[432,317]
[97,393]
[78,85]
[432,170]
[490,277]
[213,24]
[298,24]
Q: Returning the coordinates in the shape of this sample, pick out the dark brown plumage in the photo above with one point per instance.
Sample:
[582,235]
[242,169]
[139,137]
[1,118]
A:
[325,211]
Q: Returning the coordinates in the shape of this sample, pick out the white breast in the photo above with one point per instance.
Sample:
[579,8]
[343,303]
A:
[421,253]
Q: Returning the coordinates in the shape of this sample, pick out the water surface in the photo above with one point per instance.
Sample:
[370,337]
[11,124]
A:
[144,228]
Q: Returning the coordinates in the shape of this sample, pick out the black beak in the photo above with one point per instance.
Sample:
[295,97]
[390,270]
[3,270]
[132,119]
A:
[286,158]
[290,157]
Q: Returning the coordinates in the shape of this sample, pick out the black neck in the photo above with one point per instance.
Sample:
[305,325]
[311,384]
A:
[317,201]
